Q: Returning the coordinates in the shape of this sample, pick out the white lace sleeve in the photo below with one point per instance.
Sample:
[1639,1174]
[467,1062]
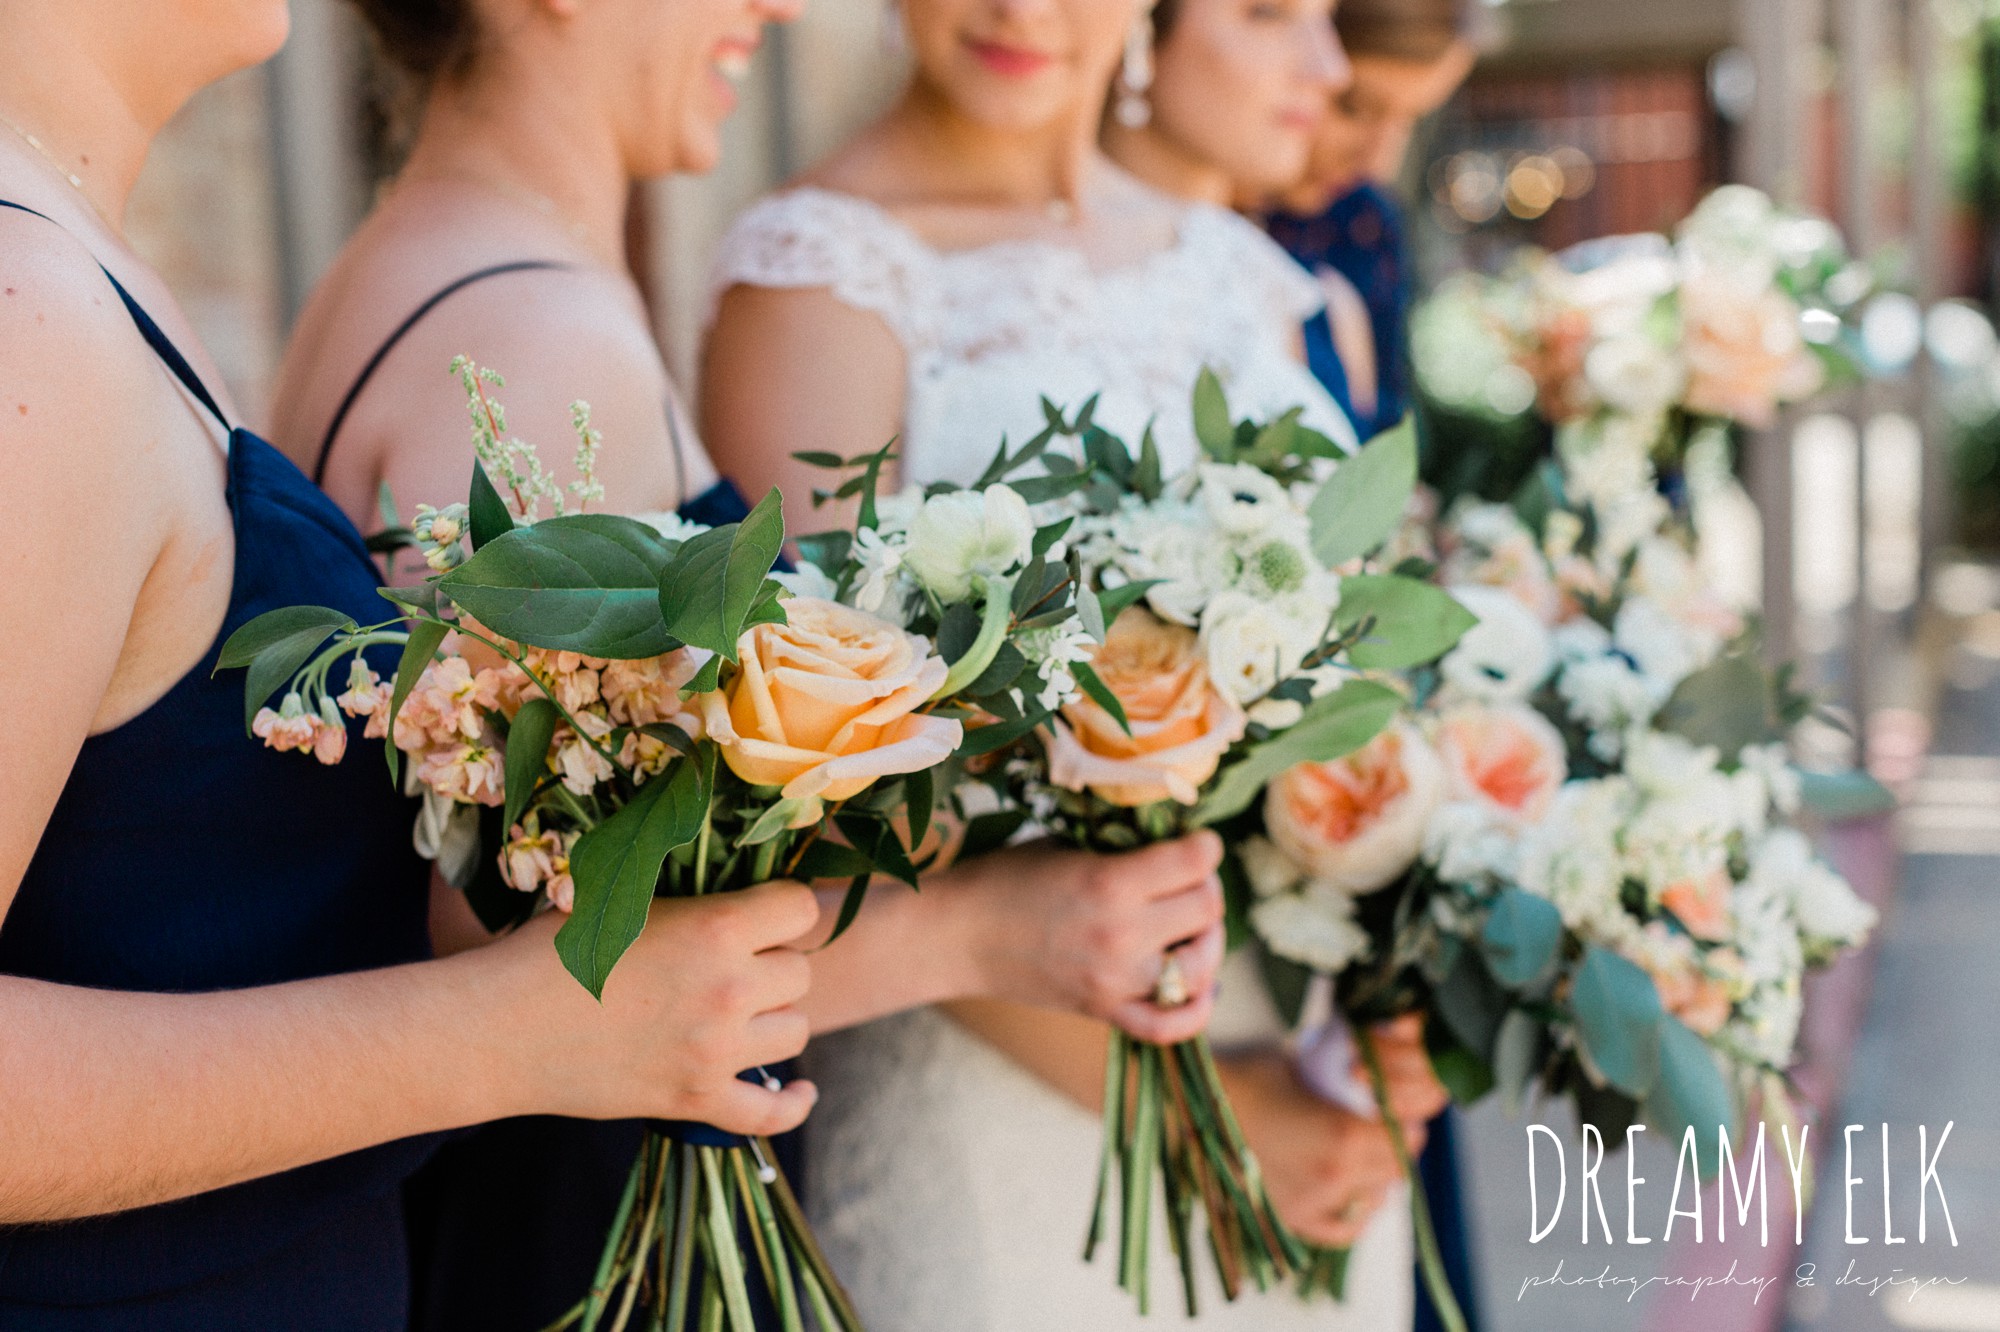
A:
[820,238]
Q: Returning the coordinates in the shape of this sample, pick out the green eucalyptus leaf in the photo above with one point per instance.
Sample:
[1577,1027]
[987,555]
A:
[1727,704]
[1362,503]
[1521,936]
[1473,1006]
[1410,622]
[710,593]
[1516,1051]
[1212,426]
[1617,1013]
[528,737]
[490,518]
[588,583]
[1333,725]
[1691,1093]
[616,866]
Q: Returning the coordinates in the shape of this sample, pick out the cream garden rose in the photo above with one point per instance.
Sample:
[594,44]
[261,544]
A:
[826,703]
[1357,822]
[1181,723]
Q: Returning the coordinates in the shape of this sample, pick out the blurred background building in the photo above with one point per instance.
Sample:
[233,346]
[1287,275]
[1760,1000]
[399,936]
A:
[1878,551]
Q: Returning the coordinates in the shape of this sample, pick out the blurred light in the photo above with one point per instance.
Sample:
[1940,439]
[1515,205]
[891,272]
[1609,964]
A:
[1533,186]
[1510,390]
[1850,284]
[1819,327]
[1959,336]
[1965,589]
[1732,83]
[1474,191]
[1892,331]
[1579,173]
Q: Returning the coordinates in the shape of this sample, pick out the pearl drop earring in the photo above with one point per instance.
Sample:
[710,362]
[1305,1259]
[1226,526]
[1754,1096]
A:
[1135,74]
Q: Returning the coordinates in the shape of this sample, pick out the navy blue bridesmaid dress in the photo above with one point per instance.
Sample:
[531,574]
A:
[183,856]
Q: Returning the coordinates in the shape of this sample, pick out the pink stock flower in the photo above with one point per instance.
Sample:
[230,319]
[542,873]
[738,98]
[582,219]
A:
[471,774]
[640,693]
[570,677]
[540,861]
[289,728]
[578,761]
[445,707]
[366,696]
[329,742]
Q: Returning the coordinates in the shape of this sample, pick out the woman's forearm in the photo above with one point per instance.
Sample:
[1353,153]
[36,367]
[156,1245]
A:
[111,1100]
[904,950]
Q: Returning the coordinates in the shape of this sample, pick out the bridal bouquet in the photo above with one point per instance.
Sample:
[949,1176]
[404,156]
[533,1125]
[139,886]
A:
[1667,342]
[597,712]
[1215,647]
[1575,856]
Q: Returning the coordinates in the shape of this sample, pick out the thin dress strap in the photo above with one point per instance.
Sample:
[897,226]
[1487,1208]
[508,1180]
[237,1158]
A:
[156,338]
[402,330]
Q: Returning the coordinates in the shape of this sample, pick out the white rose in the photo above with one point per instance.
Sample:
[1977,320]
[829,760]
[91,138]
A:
[1269,870]
[966,534]
[1251,645]
[1633,373]
[1314,928]
[1826,908]
[1503,658]
[1606,694]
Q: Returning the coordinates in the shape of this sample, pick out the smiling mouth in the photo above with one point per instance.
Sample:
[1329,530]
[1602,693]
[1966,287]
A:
[1009,61]
[732,63]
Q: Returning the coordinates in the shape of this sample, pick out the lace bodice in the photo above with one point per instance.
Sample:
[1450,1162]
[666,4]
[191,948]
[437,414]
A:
[989,331]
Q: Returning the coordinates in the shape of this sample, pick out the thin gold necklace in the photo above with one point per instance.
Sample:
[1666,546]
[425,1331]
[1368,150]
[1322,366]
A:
[534,199]
[75,181]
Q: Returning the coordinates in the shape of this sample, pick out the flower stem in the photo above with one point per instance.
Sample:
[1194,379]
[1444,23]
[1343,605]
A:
[1430,1259]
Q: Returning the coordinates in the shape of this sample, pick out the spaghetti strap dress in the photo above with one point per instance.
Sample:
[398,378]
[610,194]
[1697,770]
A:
[183,856]
[506,1222]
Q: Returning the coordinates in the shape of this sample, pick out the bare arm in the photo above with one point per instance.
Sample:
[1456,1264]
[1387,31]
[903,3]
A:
[112,1099]
[791,369]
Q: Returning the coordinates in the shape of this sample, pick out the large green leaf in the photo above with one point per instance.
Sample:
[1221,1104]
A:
[528,737]
[1691,1093]
[1363,501]
[274,646]
[1726,704]
[1520,937]
[487,510]
[1336,724]
[616,866]
[716,582]
[1411,621]
[1617,1013]
[588,583]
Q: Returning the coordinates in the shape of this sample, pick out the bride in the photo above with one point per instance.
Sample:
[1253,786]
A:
[969,252]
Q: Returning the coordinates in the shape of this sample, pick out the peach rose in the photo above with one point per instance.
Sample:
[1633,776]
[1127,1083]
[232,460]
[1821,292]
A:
[1701,904]
[1506,757]
[1181,724]
[1358,822]
[1687,991]
[826,703]
[1744,351]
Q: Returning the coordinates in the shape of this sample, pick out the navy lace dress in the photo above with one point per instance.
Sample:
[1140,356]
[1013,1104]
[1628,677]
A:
[184,856]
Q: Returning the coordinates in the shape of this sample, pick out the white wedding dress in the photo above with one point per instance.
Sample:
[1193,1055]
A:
[950,1187]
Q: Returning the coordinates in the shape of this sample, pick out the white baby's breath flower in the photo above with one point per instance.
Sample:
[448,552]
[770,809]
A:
[1828,911]
[881,560]
[964,535]
[807,580]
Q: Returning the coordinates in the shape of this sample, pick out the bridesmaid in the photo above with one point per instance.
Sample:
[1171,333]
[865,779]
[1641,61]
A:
[503,237]
[1342,221]
[971,250]
[227,1043]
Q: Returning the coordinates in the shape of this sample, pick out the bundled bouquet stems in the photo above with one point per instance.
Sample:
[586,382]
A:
[1167,1118]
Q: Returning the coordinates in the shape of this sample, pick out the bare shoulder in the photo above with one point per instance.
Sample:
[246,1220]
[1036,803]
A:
[74,379]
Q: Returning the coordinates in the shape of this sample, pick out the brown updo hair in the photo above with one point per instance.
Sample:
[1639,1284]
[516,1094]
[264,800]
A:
[427,40]
[1414,30]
